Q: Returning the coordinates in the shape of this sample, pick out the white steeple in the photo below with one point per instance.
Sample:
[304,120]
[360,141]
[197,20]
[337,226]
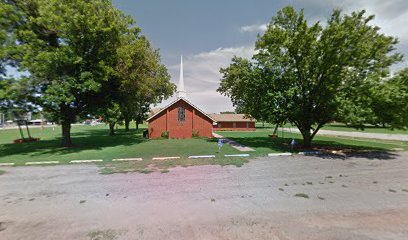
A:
[181,92]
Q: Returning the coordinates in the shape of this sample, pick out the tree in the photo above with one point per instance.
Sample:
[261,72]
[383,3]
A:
[143,79]
[112,115]
[390,101]
[70,50]
[304,74]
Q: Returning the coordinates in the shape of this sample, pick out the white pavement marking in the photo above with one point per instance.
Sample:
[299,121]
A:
[279,154]
[203,156]
[40,163]
[126,159]
[165,158]
[6,164]
[237,155]
[85,161]
[234,144]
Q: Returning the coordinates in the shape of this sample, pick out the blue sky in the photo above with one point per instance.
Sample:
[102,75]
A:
[209,33]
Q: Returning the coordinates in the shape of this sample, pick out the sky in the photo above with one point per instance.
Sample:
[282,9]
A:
[208,33]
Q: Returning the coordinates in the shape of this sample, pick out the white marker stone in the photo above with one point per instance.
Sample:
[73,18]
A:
[203,156]
[279,154]
[126,159]
[86,161]
[7,164]
[165,158]
[41,163]
[236,155]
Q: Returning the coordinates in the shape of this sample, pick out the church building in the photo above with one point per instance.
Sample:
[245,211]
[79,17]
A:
[181,118]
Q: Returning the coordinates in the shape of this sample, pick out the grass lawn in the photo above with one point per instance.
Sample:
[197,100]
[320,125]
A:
[263,144]
[344,128]
[93,142]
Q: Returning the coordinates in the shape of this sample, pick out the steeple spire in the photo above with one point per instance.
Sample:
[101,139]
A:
[181,92]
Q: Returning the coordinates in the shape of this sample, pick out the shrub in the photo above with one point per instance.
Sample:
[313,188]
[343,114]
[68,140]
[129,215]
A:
[165,134]
[196,133]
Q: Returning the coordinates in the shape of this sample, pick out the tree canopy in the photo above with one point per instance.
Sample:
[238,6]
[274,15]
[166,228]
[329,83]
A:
[309,74]
[76,54]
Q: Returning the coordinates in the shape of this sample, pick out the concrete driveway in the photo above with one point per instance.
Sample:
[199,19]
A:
[355,198]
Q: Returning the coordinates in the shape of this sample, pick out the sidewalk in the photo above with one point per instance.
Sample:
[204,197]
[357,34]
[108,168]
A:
[234,144]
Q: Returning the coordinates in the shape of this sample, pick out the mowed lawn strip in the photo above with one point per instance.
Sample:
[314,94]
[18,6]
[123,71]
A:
[94,142]
[263,144]
[345,128]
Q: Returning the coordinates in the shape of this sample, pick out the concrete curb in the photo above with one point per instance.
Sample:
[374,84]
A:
[86,161]
[41,163]
[126,159]
[165,158]
[6,164]
[203,156]
[279,154]
[236,155]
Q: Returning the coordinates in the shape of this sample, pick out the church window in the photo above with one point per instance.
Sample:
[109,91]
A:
[181,114]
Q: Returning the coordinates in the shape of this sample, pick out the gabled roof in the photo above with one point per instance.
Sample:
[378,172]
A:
[174,102]
[154,111]
[231,117]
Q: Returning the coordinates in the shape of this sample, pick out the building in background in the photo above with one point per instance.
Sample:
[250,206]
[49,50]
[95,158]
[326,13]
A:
[233,122]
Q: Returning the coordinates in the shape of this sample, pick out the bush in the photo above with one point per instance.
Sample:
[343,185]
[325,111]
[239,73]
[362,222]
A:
[196,133]
[165,134]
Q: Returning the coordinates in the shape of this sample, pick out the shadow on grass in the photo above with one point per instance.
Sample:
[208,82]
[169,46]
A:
[89,139]
[265,144]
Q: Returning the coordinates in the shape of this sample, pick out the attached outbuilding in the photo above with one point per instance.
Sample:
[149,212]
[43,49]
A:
[233,122]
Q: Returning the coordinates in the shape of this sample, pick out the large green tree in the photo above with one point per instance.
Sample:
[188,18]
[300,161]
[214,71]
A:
[305,74]
[70,50]
[144,80]
[390,101]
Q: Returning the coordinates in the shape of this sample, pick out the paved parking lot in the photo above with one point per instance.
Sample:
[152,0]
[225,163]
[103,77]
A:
[358,197]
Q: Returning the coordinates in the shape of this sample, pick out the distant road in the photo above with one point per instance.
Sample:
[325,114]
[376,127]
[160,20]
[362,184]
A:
[383,136]
[39,126]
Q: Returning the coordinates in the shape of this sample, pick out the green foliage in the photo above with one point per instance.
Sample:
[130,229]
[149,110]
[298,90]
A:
[390,101]
[143,79]
[309,75]
[165,134]
[83,57]
[195,133]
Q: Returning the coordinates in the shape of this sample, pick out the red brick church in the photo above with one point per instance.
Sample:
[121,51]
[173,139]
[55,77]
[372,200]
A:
[182,119]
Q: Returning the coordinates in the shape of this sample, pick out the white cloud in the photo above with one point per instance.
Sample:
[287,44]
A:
[254,28]
[202,77]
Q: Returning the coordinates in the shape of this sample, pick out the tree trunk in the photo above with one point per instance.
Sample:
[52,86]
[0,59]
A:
[137,124]
[66,134]
[111,129]
[307,137]
[275,131]
[127,122]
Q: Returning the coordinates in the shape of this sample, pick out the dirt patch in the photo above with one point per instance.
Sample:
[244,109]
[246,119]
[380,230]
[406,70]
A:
[211,202]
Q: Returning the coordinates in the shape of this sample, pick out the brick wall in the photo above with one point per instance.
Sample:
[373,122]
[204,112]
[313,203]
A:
[239,126]
[168,121]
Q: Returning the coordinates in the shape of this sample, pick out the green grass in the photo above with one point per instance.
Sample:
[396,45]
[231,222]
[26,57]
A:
[93,142]
[163,166]
[2,172]
[302,195]
[263,144]
[345,128]
[103,235]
